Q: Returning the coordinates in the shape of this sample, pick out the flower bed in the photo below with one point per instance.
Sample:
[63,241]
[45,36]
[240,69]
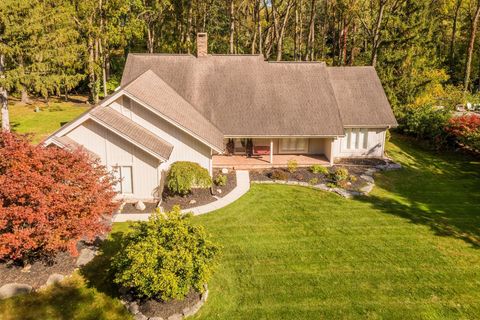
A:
[199,197]
[355,182]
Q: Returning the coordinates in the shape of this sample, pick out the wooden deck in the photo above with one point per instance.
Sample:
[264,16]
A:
[261,162]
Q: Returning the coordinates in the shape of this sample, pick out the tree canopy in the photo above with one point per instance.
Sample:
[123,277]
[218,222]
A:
[422,49]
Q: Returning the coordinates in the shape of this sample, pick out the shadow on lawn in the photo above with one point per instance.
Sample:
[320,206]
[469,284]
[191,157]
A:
[98,273]
[64,301]
[440,190]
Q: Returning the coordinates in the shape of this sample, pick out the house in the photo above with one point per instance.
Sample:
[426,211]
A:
[173,107]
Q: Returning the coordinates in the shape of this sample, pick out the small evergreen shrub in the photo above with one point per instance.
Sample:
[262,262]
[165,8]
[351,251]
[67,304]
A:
[220,180]
[292,165]
[313,181]
[278,175]
[185,175]
[339,174]
[319,169]
[331,185]
[165,258]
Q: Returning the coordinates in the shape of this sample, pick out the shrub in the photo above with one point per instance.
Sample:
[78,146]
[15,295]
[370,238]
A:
[466,130]
[165,257]
[278,175]
[185,175]
[292,165]
[426,122]
[352,178]
[220,180]
[331,185]
[319,169]
[339,174]
[313,181]
[50,199]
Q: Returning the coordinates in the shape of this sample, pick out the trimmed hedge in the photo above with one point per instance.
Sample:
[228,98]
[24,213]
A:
[185,175]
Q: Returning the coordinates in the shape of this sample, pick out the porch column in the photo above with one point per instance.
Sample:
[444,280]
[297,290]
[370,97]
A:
[271,151]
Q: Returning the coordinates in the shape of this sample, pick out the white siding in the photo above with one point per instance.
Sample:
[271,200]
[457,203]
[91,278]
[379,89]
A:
[186,147]
[115,151]
[374,148]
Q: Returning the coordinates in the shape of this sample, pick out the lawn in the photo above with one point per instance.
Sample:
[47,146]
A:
[410,250]
[24,119]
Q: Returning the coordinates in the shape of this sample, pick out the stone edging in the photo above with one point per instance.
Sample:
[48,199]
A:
[132,306]
[367,176]
[14,289]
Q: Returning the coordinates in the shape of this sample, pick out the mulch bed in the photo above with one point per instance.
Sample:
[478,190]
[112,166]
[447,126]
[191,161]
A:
[130,208]
[199,196]
[305,175]
[154,308]
[38,272]
[361,162]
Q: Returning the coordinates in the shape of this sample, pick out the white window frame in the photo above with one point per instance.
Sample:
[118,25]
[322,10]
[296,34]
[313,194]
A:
[120,173]
[295,143]
[357,139]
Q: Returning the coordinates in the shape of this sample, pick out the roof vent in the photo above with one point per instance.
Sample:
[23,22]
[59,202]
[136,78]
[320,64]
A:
[202,44]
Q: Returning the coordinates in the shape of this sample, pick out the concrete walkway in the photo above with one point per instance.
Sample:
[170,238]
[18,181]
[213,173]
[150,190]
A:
[243,185]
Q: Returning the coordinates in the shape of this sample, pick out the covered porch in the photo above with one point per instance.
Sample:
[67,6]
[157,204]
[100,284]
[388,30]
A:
[263,161]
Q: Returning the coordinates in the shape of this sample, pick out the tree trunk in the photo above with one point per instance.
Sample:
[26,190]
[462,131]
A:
[471,44]
[92,83]
[280,29]
[25,99]
[311,32]
[150,38]
[454,35]
[376,31]
[232,26]
[259,24]
[4,98]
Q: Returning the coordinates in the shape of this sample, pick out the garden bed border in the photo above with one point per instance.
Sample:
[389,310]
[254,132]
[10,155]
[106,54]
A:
[133,308]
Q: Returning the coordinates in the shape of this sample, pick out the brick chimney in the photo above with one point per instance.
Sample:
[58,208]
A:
[202,44]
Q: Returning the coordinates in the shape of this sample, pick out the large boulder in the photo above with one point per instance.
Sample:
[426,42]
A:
[54,278]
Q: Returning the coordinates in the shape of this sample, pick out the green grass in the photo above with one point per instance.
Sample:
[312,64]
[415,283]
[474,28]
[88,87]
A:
[410,250]
[24,119]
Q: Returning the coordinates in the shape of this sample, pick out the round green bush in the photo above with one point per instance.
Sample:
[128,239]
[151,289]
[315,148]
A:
[185,175]
[165,258]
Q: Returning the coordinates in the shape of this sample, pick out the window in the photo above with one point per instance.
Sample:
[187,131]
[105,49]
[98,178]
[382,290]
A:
[293,145]
[124,174]
[357,139]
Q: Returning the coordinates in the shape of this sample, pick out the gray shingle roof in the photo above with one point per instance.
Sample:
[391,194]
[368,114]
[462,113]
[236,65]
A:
[360,96]
[124,126]
[246,96]
[150,89]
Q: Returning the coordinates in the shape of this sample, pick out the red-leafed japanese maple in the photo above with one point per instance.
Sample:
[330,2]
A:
[50,199]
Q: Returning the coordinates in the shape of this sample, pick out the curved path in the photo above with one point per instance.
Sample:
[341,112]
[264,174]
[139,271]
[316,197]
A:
[243,185]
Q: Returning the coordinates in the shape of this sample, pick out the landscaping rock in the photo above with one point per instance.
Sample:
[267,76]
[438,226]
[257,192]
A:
[54,278]
[140,206]
[193,201]
[224,170]
[367,178]
[133,308]
[14,289]
[219,190]
[140,316]
[155,318]
[344,193]
[176,316]
[368,188]
[86,255]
